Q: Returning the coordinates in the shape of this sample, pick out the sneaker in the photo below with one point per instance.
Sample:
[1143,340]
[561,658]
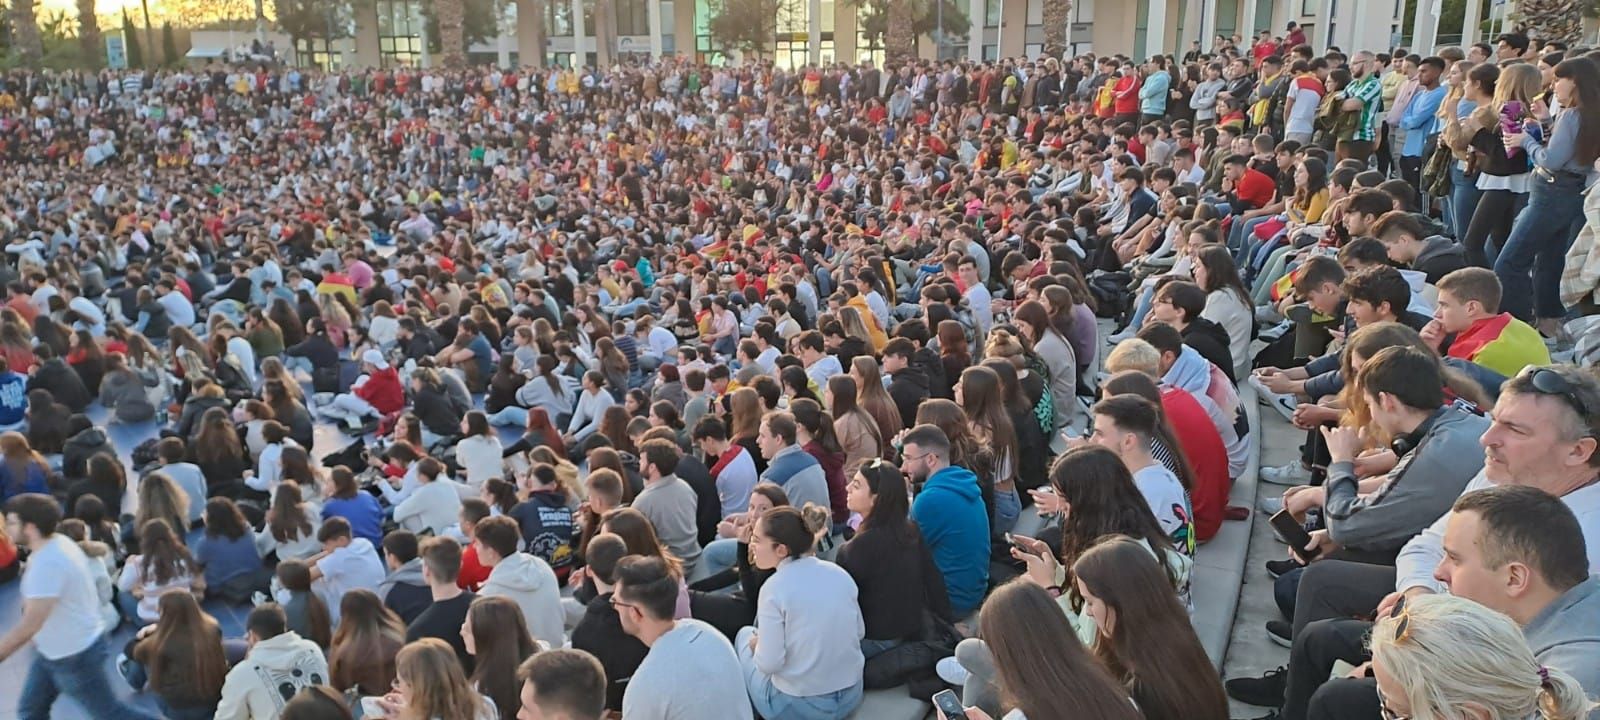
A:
[951,671]
[1121,336]
[1267,315]
[1289,474]
[1277,568]
[1270,505]
[1280,632]
[1265,691]
[122,665]
[1285,405]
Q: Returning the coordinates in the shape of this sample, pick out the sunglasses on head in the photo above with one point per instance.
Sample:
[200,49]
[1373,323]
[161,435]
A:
[1547,381]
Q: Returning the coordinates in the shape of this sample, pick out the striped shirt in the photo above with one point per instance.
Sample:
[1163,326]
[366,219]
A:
[1370,92]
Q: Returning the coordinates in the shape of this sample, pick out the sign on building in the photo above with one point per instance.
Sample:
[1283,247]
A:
[116,51]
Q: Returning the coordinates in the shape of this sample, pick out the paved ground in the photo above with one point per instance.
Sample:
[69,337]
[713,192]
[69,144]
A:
[1250,652]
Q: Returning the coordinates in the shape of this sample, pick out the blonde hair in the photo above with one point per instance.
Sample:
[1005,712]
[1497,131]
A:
[439,687]
[1134,354]
[1446,652]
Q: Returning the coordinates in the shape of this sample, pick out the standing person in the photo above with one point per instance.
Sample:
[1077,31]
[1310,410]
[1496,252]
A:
[1416,119]
[950,513]
[691,671]
[1365,97]
[1530,264]
[1153,94]
[60,616]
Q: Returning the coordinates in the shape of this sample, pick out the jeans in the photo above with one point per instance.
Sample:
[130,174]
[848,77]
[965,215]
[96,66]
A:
[293,363]
[1530,264]
[719,555]
[1147,297]
[1240,235]
[773,704]
[81,677]
[1007,507]
[1464,194]
[1340,589]
[872,648]
[510,415]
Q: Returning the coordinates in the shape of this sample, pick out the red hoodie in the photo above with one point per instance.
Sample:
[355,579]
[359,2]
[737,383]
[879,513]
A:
[382,391]
[1207,457]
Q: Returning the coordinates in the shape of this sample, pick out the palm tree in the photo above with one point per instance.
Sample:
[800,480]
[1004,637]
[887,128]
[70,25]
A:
[900,35]
[89,33]
[452,34]
[1057,16]
[1552,20]
[26,26]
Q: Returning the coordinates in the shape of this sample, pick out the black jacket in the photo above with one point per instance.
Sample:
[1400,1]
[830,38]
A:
[897,581]
[318,349]
[76,453]
[600,634]
[435,412]
[63,383]
[1440,256]
[932,367]
[909,388]
[189,420]
[708,505]
[1211,341]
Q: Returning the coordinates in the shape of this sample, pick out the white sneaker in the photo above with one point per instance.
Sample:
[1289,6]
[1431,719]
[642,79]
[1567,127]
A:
[1288,474]
[1270,505]
[951,671]
[1263,395]
[1285,405]
[1121,336]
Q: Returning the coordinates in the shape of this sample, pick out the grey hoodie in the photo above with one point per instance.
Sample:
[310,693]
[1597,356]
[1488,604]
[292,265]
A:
[530,583]
[409,574]
[1420,488]
[1440,256]
[128,395]
[1566,634]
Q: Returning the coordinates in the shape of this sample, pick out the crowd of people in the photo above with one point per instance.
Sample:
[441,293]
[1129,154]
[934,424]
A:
[678,391]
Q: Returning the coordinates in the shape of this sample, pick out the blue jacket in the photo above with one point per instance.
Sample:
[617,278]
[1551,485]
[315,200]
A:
[954,523]
[32,481]
[13,398]
[1153,94]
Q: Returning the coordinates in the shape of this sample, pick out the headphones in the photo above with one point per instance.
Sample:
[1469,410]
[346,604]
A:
[1405,443]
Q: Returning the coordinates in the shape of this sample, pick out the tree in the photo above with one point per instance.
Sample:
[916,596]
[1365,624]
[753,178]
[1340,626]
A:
[308,21]
[130,39]
[748,26]
[478,21]
[25,30]
[1552,20]
[169,45]
[1057,16]
[873,16]
[900,37]
[89,34]
[451,16]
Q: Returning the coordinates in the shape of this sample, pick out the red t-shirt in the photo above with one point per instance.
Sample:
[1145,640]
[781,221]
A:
[1207,456]
[1255,188]
[473,573]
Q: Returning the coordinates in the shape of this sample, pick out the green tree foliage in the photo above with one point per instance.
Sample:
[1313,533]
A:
[873,17]
[169,46]
[748,26]
[130,37]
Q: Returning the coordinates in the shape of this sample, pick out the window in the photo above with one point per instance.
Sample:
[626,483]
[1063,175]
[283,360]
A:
[400,25]
[1035,12]
[633,17]
[991,52]
[991,12]
[558,19]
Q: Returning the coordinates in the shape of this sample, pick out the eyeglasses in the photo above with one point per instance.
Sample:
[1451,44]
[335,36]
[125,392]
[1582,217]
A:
[615,603]
[1547,381]
[914,458]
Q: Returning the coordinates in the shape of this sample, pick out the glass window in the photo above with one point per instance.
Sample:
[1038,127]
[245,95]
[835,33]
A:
[558,19]
[632,17]
[1035,12]
[991,13]
[991,52]
[793,16]
[827,15]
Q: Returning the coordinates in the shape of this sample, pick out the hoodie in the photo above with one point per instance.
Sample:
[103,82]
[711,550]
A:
[530,583]
[405,592]
[1565,635]
[909,388]
[382,391]
[950,513]
[1212,342]
[128,394]
[79,448]
[1440,256]
[932,367]
[276,669]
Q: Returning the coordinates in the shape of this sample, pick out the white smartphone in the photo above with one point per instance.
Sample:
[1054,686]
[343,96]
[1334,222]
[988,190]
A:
[370,707]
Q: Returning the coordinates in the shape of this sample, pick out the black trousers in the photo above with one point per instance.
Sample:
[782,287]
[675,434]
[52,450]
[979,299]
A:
[1411,172]
[1312,658]
[1491,221]
[1346,699]
[1335,589]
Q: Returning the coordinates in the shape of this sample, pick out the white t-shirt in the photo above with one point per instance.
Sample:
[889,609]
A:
[353,567]
[1304,113]
[1165,494]
[60,570]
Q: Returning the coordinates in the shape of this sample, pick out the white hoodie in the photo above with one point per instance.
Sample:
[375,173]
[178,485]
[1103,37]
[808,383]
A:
[275,670]
[530,582]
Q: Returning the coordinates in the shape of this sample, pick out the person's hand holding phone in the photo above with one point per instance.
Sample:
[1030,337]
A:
[1047,501]
[1319,546]
[1042,564]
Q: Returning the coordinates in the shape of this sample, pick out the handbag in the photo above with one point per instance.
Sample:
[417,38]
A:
[1436,172]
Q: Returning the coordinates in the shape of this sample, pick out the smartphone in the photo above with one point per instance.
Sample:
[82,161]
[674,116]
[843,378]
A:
[949,705]
[1012,541]
[370,707]
[1294,533]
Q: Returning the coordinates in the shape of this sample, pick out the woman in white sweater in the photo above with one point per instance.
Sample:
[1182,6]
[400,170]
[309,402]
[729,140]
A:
[434,505]
[1227,302]
[804,653]
[592,404]
[478,454]
[292,524]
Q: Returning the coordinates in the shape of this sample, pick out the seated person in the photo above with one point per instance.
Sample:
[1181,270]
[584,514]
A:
[403,589]
[1469,309]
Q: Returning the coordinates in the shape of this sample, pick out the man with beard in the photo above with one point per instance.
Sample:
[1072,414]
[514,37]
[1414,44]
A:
[1365,96]
[949,512]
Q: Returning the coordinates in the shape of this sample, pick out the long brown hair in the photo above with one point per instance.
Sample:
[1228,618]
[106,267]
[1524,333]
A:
[1043,669]
[1150,635]
[162,558]
[1366,342]
[363,650]
[745,407]
[983,399]
[161,499]
[874,399]
[217,439]
[287,519]
[639,535]
[501,642]
[295,575]
[439,688]
[188,644]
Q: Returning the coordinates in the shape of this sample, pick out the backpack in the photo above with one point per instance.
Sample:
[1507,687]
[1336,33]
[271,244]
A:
[1111,295]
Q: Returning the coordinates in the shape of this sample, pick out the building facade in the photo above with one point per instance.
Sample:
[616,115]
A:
[389,32]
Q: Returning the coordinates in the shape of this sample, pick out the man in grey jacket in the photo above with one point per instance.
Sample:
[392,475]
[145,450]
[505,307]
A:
[1515,549]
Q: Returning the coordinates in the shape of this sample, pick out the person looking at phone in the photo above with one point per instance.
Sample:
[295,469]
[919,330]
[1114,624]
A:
[1401,401]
